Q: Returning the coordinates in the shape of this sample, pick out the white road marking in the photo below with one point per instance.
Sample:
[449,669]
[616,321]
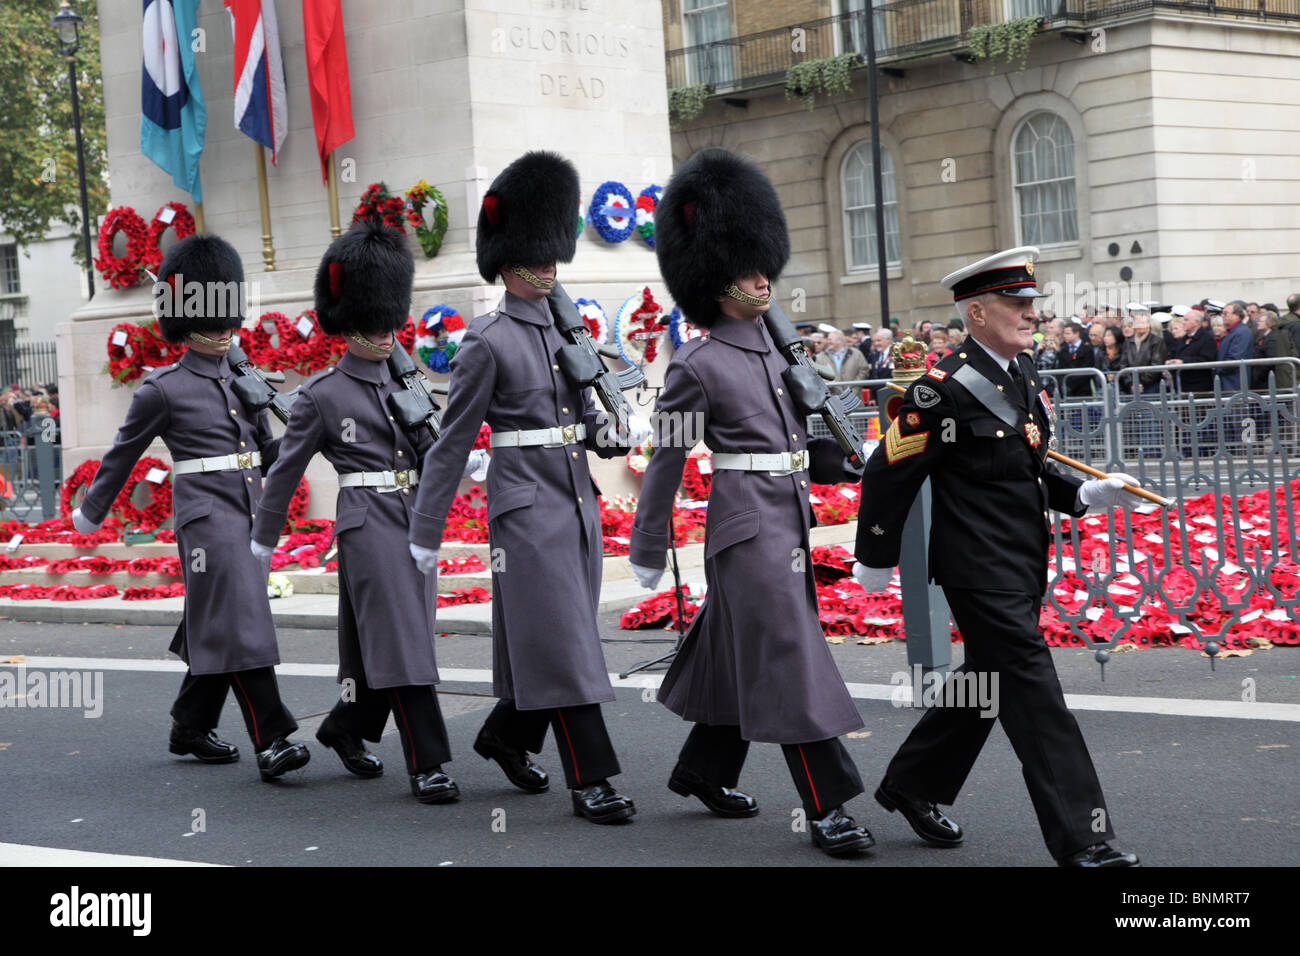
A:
[16,854]
[1164,706]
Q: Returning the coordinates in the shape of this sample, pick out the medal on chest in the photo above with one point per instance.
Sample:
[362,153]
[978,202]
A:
[1033,433]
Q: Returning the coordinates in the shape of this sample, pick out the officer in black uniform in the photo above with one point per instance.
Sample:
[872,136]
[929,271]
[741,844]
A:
[978,424]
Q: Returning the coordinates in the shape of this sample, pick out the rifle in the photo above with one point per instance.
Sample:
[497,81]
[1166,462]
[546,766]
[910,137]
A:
[415,406]
[810,393]
[253,386]
[582,364]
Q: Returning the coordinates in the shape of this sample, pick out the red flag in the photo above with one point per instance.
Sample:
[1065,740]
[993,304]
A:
[327,75]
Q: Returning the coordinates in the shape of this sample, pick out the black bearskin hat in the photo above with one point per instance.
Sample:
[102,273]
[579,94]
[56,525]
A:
[529,215]
[363,284]
[719,219]
[214,265]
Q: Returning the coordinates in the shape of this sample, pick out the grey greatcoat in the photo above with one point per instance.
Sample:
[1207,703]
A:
[543,517]
[227,622]
[755,655]
[386,606]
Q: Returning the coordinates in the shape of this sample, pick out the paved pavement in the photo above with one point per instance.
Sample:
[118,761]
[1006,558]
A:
[1194,774]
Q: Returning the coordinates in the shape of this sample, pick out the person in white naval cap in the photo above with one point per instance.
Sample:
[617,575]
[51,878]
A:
[992,490]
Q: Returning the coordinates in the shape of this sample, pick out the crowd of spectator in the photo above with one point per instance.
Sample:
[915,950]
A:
[1110,340]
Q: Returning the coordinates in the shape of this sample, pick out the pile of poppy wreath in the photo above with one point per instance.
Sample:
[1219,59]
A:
[143,248]
[1244,621]
[140,519]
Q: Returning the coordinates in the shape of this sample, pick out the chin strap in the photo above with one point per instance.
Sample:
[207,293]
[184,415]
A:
[532,280]
[365,343]
[732,292]
[213,343]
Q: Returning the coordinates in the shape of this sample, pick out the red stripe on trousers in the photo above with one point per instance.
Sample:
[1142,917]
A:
[816,803]
[572,756]
[410,740]
[257,738]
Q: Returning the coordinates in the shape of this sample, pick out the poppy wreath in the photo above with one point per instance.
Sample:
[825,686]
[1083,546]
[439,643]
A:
[293,351]
[438,355]
[613,211]
[181,224]
[681,331]
[638,326]
[123,272]
[594,317]
[379,204]
[646,202]
[429,231]
[133,348]
[80,479]
[159,507]
[298,504]
[694,481]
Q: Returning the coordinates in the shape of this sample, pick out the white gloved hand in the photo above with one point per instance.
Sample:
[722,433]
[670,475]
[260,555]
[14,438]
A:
[872,580]
[426,559]
[638,430]
[83,524]
[263,555]
[1109,492]
[476,465]
[649,577]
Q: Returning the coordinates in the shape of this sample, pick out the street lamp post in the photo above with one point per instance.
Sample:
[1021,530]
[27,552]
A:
[67,23]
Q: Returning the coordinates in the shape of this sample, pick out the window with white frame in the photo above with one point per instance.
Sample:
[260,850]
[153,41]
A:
[704,24]
[10,282]
[857,191]
[1042,169]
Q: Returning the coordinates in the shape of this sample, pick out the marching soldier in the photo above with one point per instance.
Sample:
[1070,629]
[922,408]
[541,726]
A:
[543,519]
[978,425]
[386,605]
[755,665]
[218,450]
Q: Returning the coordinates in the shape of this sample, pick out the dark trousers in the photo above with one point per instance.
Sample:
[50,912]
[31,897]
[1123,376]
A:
[580,737]
[415,710]
[822,770]
[1000,629]
[198,705]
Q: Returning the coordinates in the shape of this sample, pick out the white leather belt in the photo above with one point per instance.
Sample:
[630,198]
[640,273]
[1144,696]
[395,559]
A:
[382,481]
[193,466]
[546,437]
[776,463]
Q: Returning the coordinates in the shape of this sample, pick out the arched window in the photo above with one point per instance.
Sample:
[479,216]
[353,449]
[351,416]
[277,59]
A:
[1042,168]
[861,247]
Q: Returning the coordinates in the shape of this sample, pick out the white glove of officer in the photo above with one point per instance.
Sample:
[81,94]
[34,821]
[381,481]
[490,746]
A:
[872,580]
[426,559]
[649,577]
[263,555]
[1109,492]
[476,465]
[83,524]
[638,429]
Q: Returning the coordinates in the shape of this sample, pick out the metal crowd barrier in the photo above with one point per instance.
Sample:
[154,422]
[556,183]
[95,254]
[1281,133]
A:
[32,469]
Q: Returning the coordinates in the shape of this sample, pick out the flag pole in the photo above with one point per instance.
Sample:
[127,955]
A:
[268,249]
[332,185]
[199,224]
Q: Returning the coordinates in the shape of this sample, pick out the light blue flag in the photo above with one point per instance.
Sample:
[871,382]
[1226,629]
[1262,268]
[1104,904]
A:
[173,118]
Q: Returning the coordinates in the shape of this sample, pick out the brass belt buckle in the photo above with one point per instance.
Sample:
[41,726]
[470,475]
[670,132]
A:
[402,478]
[570,434]
[799,460]
[244,460]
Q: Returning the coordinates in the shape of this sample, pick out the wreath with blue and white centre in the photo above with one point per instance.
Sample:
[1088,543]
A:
[681,330]
[596,320]
[647,200]
[438,337]
[613,212]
